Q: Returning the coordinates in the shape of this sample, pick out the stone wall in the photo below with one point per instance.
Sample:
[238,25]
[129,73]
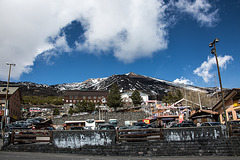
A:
[220,147]
[197,141]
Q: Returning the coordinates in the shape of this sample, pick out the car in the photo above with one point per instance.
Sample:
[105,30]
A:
[76,128]
[142,124]
[211,124]
[184,125]
[234,122]
[106,127]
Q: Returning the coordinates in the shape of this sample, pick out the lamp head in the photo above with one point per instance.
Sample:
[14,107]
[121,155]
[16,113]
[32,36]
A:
[216,40]
[211,44]
[213,51]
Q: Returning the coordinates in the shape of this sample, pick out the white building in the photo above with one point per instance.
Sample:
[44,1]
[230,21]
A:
[126,96]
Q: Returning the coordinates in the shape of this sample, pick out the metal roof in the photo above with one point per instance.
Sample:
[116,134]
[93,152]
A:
[11,90]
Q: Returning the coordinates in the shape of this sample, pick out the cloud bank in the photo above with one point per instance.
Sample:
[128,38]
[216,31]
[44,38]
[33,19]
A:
[132,29]
[205,70]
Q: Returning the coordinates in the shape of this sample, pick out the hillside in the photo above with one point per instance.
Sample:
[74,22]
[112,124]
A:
[130,81]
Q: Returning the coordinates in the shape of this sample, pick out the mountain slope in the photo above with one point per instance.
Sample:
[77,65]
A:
[131,81]
[126,82]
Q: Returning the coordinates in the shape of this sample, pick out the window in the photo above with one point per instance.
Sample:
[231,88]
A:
[75,97]
[89,97]
[99,97]
[84,97]
[238,114]
[230,116]
[70,97]
[94,97]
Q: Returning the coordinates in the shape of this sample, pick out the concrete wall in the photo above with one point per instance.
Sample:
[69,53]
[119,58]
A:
[77,139]
[204,141]
[194,133]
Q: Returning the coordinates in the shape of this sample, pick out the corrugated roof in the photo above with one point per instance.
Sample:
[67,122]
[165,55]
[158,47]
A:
[11,90]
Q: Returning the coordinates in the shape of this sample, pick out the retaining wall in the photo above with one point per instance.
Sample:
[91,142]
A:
[177,142]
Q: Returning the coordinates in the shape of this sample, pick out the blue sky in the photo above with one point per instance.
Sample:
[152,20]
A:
[71,41]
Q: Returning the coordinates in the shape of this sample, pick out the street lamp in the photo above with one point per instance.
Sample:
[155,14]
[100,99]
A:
[214,51]
[6,111]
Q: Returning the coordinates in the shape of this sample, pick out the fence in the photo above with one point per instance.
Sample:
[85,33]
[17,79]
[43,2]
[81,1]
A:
[31,136]
[139,134]
[128,135]
[234,130]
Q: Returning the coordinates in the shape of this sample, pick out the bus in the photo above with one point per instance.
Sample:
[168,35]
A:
[93,123]
[35,110]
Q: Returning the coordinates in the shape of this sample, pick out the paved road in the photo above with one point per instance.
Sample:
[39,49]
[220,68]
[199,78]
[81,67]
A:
[54,156]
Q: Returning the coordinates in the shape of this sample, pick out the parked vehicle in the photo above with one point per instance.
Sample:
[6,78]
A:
[106,127]
[211,124]
[141,124]
[234,122]
[76,128]
[113,122]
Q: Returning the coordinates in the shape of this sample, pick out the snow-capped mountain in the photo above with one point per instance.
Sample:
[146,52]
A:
[126,82]
[130,81]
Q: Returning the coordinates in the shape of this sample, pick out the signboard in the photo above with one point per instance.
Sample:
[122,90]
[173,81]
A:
[147,121]
[236,103]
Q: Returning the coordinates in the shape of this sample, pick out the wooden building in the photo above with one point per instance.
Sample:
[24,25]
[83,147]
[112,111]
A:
[232,105]
[14,102]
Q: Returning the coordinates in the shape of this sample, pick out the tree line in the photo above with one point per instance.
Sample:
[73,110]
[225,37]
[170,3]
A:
[42,100]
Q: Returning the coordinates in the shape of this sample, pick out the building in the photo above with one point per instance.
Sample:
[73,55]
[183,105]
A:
[72,97]
[232,105]
[128,101]
[14,101]
[203,115]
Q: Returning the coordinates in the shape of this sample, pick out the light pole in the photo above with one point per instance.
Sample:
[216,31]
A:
[6,111]
[214,51]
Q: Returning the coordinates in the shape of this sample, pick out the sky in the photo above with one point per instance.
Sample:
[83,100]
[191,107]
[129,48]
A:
[67,41]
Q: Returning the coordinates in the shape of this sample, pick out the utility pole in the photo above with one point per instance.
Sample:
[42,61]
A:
[6,109]
[214,52]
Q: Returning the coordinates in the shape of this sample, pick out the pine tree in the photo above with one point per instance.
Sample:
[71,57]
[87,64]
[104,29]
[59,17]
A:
[136,98]
[114,98]
[56,111]
[70,111]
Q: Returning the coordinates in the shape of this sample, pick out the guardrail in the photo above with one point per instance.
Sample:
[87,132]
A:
[139,134]
[234,130]
[31,136]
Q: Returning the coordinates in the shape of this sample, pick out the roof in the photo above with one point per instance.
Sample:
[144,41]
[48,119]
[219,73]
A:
[203,111]
[234,92]
[11,90]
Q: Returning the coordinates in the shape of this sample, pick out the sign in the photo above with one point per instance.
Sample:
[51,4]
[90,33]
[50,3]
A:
[103,100]
[147,121]
[236,103]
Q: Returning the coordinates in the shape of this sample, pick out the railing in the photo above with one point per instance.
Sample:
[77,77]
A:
[139,134]
[234,130]
[31,136]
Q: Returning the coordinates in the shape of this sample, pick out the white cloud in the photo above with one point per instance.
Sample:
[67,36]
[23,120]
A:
[204,70]
[183,80]
[134,29]
[199,9]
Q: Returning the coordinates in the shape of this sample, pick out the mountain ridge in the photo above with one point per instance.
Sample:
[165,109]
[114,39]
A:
[126,82]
